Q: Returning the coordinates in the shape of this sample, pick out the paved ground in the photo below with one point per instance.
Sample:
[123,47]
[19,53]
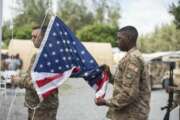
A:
[76,103]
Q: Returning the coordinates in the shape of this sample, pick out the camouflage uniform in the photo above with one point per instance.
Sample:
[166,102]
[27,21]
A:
[131,93]
[47,109]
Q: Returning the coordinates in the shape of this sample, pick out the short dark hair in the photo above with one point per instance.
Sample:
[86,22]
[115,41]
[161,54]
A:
[43,28]
[131,32]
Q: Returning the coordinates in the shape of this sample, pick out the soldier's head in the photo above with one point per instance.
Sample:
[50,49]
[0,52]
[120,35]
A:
[127,37]
[37,35]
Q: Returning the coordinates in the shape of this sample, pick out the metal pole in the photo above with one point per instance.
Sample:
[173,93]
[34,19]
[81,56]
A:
[1,14]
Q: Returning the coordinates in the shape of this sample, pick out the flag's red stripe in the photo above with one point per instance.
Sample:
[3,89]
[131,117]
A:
[45,95]
[102,81]
[47,80]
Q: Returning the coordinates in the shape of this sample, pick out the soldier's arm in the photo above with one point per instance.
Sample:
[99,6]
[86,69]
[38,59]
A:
[129,89]
[23,81]
[111,78]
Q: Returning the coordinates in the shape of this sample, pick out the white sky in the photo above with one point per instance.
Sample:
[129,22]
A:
[145,15]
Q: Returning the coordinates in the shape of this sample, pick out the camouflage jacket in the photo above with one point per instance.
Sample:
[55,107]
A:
[31,97]
[131,95]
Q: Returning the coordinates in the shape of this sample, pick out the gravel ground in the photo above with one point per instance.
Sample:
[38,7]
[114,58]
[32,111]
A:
[76,103]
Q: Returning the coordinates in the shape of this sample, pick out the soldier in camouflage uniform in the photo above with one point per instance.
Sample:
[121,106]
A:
[47,109]
[175,89]
[131,95]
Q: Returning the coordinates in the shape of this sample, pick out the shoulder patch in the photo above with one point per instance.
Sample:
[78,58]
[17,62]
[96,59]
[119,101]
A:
[133,67]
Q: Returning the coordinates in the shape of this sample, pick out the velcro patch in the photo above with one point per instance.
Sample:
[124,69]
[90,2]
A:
[133,67]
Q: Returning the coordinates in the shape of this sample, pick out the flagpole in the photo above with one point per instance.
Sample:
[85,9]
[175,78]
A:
[1,14]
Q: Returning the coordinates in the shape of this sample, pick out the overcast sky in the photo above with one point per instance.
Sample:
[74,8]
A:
[143,14]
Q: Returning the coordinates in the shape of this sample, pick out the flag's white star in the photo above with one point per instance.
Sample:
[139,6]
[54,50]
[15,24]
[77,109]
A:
[83,61]
[45,55]
[65,33]
[86,74]
[64,58]
[64,41]
[50,45]
[70,50]
[61,50]
[68,42]
[67,66]
[69,58]
[60,33]
[77,59]
[83,52]
[48,63]
[54,34]
[74,42]
[53,53]
[66,50]
[41,66]
[52,70]
[75,51]
[56,61]
[91,61]
[97,70]
[57,24]
[59,67]
[58,42]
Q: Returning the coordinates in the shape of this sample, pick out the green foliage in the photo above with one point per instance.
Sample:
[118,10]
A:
[175,10]
[98,33]
[75,13]
[31,12]
[107,11]
[165,38]
[23,32]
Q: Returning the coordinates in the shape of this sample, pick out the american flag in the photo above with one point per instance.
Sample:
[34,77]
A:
[61,56]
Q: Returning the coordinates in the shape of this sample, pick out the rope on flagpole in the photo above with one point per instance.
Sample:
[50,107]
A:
[11,105]
[12,37]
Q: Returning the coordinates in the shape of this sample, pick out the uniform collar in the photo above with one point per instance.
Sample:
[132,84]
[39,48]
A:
[132,49]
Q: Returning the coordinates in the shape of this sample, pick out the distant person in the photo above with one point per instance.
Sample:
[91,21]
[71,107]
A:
[47,109]
[13,63]
[131,95]
[19,61]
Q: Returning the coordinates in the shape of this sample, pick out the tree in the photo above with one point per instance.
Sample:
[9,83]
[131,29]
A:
[175,10]
[31,12]
[98,33]
[165,38]
[107,11]
[75,14]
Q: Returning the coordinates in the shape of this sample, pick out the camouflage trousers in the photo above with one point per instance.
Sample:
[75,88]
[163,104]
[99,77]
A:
[42,114]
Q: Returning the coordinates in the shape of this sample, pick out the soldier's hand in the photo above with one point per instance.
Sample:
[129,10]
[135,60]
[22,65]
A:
[170,89]
[100,101]
[14,79]
[105,67]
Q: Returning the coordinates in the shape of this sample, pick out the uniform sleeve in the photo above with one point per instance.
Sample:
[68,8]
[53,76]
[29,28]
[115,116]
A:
[111,78]
[25,82]
[129,89]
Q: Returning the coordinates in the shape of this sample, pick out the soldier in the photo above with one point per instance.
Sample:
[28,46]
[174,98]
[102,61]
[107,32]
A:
[175,89]
[131,95]
[47,109]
